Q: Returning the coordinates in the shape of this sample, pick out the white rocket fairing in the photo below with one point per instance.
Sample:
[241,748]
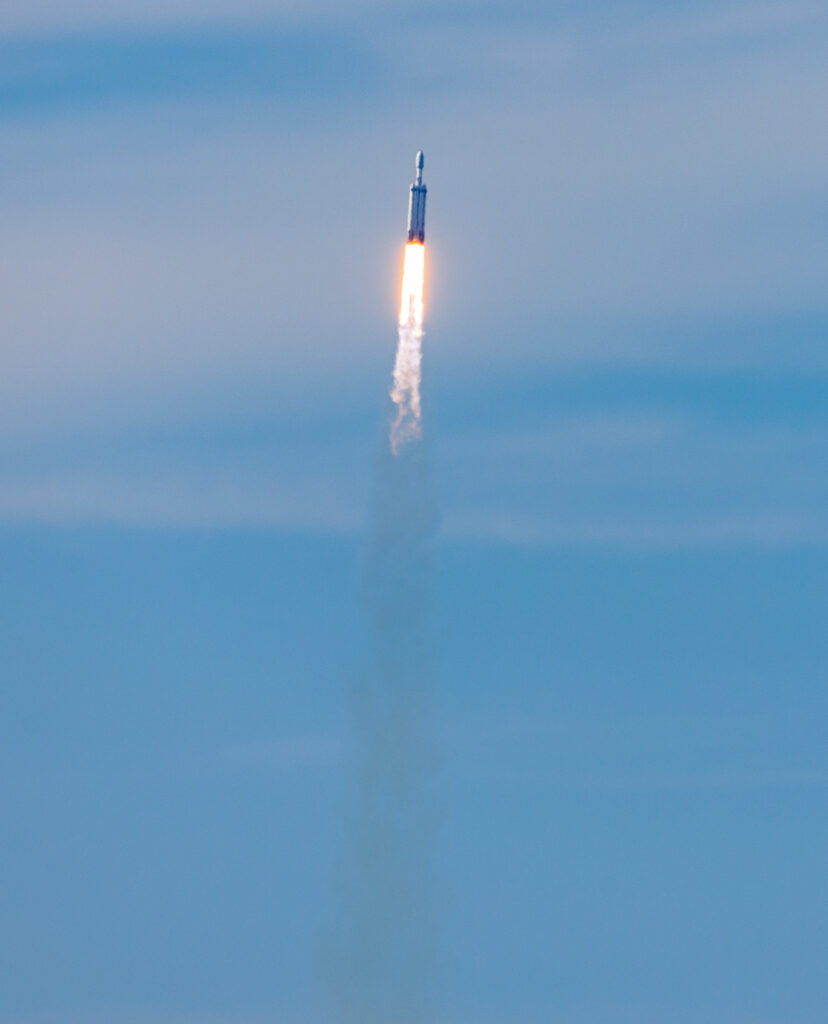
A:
[416,205]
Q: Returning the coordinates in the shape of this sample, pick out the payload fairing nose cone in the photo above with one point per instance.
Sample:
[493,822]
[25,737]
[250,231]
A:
[416,205]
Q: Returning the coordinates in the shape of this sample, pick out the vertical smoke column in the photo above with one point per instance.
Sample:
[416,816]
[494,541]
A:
[390,931]
[392,905]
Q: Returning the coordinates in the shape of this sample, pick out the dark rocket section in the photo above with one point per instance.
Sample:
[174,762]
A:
[416,205]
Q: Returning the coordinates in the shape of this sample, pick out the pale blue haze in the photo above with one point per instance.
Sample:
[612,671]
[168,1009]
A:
[626,401]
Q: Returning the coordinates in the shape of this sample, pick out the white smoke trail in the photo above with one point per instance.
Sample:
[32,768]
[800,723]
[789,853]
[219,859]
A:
[390,899]
[406,390]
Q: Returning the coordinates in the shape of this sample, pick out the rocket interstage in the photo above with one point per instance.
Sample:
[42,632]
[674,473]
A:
[406,390]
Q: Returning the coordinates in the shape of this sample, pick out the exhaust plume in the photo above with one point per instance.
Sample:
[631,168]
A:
[387,966]
[406,390]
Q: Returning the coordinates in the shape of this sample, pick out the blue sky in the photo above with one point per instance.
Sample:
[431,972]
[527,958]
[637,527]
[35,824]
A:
[626,394]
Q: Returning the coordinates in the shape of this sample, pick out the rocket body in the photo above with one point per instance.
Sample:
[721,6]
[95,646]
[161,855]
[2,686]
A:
[416,205]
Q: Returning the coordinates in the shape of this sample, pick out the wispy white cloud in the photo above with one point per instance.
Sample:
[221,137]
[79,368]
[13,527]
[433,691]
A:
[642,532]
[187,497]
[632,480]
[717,23]
[49,16]
[149,1016]
[655,781]
[666,481]
[628,752]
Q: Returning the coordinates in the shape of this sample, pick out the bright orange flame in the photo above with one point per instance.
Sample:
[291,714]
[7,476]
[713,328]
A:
[411,297]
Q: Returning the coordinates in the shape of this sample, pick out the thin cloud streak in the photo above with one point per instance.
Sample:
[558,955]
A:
[632,480]
[771,779]
[67,75]
[47,16]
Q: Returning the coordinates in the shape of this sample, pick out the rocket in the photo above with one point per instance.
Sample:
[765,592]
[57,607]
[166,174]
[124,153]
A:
[416,205]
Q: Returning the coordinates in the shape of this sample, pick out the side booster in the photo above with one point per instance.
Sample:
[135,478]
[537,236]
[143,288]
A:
[416,205]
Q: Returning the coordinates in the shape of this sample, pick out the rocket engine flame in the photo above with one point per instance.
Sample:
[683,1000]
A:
[406,390]
[411,295]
